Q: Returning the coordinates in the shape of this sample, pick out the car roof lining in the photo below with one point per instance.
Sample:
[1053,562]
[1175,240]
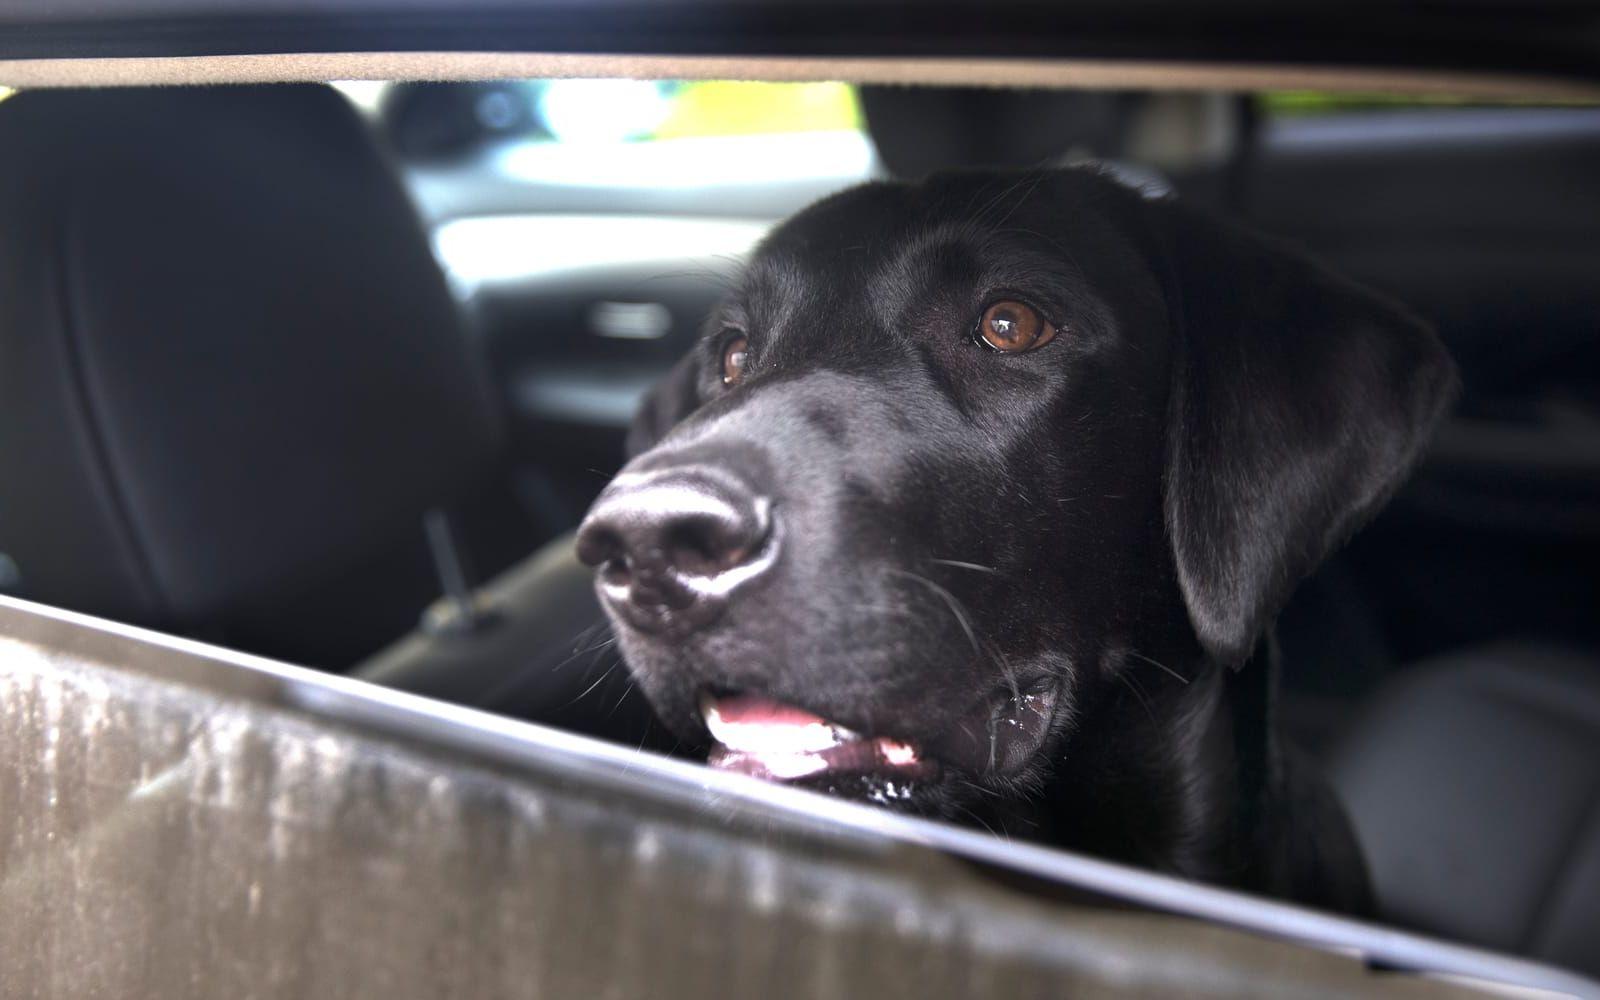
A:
[950,71]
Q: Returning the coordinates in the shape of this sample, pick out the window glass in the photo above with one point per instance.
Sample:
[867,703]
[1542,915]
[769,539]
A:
[1304,103]
[627,135]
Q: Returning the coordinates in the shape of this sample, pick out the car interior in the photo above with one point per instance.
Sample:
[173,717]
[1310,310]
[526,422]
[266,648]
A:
[330,373]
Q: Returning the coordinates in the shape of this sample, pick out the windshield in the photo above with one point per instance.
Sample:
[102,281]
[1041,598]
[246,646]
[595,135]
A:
[656,145]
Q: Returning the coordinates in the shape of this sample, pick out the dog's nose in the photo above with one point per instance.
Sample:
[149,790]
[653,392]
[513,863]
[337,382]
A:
[672,544]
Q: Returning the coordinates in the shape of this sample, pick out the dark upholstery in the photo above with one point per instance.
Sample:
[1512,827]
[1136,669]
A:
[545,653]
[230,369]
[918,130]
[1474,785]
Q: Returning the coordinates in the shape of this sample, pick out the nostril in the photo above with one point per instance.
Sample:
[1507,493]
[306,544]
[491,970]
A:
[616,571]
[708,544]
[599,545]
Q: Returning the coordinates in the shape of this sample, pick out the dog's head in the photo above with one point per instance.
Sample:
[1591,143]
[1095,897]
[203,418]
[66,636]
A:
[952,451]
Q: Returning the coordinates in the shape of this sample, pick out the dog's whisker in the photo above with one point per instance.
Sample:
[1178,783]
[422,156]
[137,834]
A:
[981,822]
[966,730]
[736,260]
[1159,665]
[958,564]
[951,602]
[1035,177]
[596,648]
[1034,234]
[590,689]
[1128,682]
[1009,673]
[626,691]
[511,683]
[724,276]
[979,789]
[579,641]
[598,658]
[887,609]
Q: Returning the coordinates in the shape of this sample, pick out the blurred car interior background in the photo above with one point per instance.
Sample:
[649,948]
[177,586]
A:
[328,374]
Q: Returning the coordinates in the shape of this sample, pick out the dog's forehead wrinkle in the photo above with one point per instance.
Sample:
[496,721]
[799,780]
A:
[773,295]
[813,325]
[817,412]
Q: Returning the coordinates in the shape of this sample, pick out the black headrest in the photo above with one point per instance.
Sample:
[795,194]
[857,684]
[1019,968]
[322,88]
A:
[228,360]
[918,130]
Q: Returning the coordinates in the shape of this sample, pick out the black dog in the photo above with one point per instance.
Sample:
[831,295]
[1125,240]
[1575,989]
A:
[978,496]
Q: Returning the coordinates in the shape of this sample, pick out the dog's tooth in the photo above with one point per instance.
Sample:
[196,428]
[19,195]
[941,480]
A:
[897,753]
[790,766]
[775,767]
[771,737]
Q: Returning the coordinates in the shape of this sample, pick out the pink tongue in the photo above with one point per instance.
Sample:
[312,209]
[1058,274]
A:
[754,710]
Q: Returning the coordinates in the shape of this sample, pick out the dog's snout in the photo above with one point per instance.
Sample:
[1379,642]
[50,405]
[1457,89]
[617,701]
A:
[671,545]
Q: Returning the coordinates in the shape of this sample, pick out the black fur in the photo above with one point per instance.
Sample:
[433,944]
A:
[1105,526]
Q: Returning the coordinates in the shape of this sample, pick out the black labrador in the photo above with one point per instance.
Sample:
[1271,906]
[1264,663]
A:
[977,499]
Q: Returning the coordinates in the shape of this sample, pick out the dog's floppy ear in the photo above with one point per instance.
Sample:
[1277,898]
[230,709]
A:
[668,402]
[1299,402]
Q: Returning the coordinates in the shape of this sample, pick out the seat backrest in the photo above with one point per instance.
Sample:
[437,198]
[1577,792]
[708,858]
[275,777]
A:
[230,367]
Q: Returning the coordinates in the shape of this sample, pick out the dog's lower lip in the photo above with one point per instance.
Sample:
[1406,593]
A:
[769,739]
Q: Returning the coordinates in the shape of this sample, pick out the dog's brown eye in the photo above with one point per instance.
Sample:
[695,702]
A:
[733,355]
[1014,327]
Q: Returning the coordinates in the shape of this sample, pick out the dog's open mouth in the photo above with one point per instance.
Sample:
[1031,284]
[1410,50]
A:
[779,742]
